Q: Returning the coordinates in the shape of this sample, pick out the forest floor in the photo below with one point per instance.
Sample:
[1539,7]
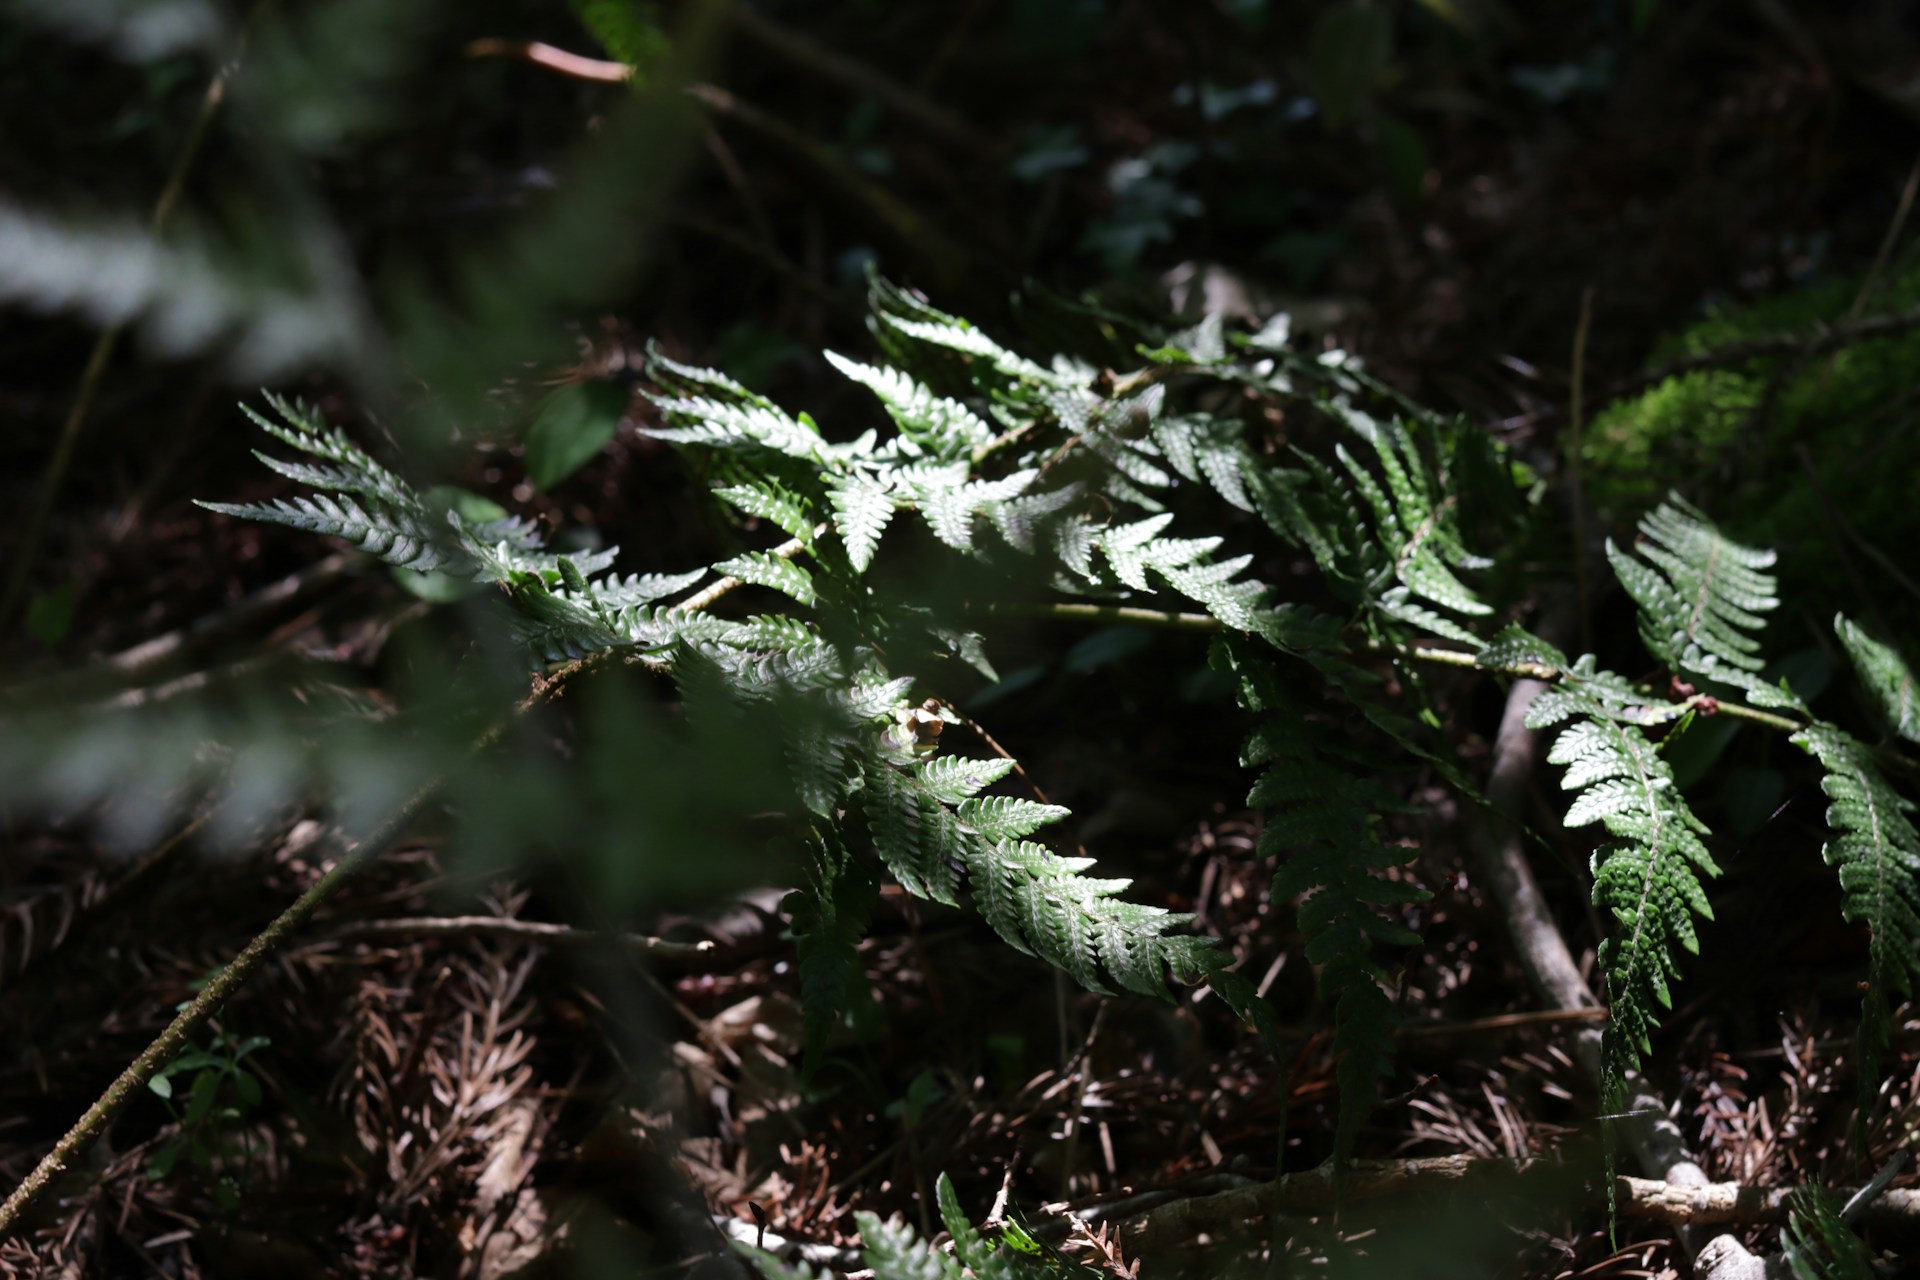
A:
[429,1090]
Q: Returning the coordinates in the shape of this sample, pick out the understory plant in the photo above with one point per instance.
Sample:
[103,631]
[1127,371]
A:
[1345,548]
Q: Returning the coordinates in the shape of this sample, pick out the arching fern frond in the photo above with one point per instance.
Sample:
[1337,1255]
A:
[1877,853]
[1648,877]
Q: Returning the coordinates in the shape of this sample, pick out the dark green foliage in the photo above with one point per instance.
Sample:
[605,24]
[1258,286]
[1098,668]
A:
[1817,1245]
[1877,853]
[1887,678]
[1079,483]
[1324,791]
[830,917]
[1699,599]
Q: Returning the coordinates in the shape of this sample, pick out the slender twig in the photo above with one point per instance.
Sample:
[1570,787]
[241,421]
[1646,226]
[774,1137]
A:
[1077,612]
[515,930]
[218,990]
[572,65]
[941,254]
[264,603]
[1891,238]
[212,998]
[104,346]
[1656,711]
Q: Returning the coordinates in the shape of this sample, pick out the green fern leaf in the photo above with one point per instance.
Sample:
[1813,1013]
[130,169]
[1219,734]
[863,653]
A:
[945,428]
[917,837]
[1700,595]
[1886,675]
[1321,830]
[830,918]
[768,500]
[1647,878]
[1877,853]
[894,1252]
[1006,817]
[1817,1245]
[864,509]
[719,424]
[401,538]
[689,380]
[951,779]
[769,570]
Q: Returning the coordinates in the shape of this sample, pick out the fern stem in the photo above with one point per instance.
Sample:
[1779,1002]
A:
[1655,712]
[1077,612]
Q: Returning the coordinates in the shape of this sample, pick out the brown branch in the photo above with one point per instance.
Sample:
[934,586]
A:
[293,589]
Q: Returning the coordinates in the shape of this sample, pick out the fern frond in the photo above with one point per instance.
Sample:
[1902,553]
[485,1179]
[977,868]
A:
[768,570]
[951,779]
[945,428]
[1321,829]
[1701,597]
[405,539]
[1040,903]
[769,500]
[1647,877]
[1877,853]
[915,835]
[1886,675]
[722,424]
[830,917]
[903,321]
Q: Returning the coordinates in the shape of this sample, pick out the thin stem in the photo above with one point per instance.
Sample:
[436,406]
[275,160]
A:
[713,591]
[531,931]
[1655,712]
[1077,612]
[214,996]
